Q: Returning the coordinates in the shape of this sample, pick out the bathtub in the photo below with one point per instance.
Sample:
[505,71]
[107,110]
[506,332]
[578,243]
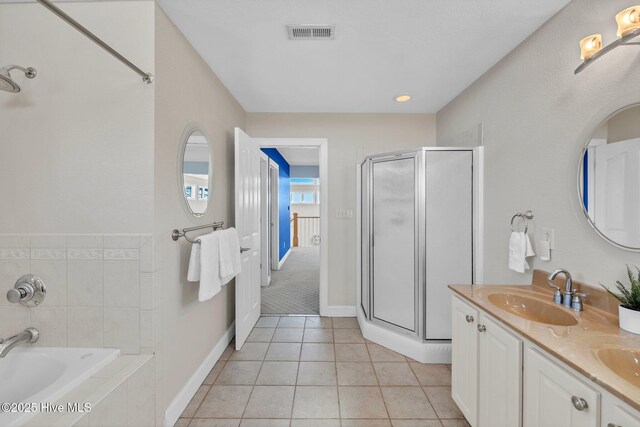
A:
[39,375]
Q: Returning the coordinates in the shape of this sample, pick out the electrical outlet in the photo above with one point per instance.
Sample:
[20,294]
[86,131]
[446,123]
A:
[549,234]
[344,213]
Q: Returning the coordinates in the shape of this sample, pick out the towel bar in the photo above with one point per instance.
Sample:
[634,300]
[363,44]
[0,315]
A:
[176,234]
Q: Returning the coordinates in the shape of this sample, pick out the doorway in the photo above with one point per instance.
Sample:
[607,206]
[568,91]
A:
[296,282]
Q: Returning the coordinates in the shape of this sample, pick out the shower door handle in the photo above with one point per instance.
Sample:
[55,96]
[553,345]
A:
[242,250]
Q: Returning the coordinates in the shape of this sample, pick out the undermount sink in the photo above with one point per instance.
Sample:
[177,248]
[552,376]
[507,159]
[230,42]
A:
[625,362]
[533,309]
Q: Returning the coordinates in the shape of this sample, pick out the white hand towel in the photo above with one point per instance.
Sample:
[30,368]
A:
[517,252]
[230,265]
[193,273]
[209,266]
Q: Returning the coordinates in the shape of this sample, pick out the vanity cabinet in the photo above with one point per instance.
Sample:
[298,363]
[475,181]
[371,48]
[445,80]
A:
[553,396]
[616,413]
[486,369]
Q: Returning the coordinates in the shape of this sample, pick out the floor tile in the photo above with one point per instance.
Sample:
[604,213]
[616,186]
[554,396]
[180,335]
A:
[416,423]
[226,354]
[292,322]
[352,353]
[432,375]
[390,373]
[379,353]
[270,402]
[318,335]
[317,352]
[365,423]
[278,373]
[261,335]
[345,323]
[317,373]
[251,351]
[455,423]
[267,322]
[361,402]
[213,374]
[407,402]
[284,351]
[440,398]
[184,422]
[318,322]
[347,336]
[356,373]
[212,422]
[316,402]
[239,373]
[195,402]
[224,402]
[314,423]
[264,423]
[288,335]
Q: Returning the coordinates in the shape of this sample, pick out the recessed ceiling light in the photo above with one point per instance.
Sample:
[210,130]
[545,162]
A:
[403,98]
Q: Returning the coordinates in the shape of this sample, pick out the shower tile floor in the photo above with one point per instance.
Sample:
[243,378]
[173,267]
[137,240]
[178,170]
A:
[320,372]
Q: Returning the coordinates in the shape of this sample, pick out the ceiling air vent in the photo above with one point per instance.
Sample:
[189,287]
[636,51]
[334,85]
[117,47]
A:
[311,32]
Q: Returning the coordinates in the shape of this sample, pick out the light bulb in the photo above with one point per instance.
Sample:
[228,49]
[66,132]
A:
[628,20]
[589,46]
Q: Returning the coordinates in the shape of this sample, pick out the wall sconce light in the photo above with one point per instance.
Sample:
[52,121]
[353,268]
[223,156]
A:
[628,28]
[589,46]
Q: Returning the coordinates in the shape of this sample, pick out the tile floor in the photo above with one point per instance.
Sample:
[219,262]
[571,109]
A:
[320,372]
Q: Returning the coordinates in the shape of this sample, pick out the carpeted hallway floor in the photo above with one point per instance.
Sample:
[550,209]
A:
[294,288]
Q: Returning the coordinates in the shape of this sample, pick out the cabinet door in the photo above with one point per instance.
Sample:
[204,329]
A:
[500,376]
[548,393]
[464,359]
[615,413]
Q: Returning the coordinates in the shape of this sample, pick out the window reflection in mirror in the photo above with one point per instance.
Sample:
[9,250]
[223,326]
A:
[196,170]
[609,178]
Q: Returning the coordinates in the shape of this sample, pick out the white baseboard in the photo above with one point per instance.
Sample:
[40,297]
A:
[425,352]
[183,398]
[339,311]
[284,258]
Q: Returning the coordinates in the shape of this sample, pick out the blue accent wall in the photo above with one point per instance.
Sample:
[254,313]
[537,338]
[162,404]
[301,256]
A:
[284,208]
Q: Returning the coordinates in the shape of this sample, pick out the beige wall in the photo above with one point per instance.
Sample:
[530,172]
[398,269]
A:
[624,125]
[76,144]
[188,91]
[537,115]
[351,137]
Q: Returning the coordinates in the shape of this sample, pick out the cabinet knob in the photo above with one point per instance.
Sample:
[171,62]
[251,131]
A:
[482,328]
[469,319]
[579,403]
[613,425]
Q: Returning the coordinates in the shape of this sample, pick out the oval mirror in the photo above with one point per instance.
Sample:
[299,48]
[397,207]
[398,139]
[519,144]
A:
[197,172]
[609,178]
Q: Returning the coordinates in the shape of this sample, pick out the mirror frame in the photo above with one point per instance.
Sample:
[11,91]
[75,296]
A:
[186,133]
[585,144]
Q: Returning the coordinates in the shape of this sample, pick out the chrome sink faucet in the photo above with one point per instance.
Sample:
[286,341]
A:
[29,335]
[568,287]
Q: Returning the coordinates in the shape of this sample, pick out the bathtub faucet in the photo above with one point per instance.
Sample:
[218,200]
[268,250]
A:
[29,335]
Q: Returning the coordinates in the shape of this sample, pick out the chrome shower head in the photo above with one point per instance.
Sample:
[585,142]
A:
[6,82]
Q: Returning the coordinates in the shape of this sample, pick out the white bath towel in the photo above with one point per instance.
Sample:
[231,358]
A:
[229,255]
[519,250]
[210,283]
[193,273]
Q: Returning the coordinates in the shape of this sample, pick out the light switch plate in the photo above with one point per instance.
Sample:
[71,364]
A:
[344,213]
[549,234]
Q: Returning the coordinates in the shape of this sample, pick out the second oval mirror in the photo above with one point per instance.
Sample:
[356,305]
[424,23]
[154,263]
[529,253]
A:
[197,171]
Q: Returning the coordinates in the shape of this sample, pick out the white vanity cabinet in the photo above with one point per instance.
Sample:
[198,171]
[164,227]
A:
[616,413]
[486,369]
[555,397]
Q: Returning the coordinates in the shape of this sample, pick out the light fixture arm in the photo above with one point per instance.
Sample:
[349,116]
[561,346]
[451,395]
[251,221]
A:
[29,72]
[622,41]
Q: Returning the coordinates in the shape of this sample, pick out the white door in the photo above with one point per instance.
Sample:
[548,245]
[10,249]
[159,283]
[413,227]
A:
[247,204]
[554,397]
[464,359]
[500,380]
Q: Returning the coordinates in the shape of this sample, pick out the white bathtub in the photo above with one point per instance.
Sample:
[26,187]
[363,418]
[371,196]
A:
[43,375]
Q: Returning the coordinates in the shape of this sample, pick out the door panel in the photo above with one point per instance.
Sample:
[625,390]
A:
[394,241]
[449,234]
[247,206]
[464,359]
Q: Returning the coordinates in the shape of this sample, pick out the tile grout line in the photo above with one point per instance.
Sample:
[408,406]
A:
[375,374]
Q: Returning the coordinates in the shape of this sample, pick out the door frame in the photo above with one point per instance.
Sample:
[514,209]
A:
[265,220]
[322,144]
[274,200]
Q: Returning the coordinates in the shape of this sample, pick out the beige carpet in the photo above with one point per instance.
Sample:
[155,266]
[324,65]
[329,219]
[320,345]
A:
[294,289]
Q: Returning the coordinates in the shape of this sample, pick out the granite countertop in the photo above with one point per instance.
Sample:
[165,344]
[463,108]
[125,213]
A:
[574,345]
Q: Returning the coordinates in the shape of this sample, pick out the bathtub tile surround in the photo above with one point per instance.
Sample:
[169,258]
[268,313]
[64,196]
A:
[311,382]
[121,394]
[100,290]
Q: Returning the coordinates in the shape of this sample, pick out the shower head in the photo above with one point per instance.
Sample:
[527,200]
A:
[6,82]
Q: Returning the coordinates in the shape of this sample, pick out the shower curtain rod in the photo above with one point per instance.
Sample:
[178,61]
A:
[146,77]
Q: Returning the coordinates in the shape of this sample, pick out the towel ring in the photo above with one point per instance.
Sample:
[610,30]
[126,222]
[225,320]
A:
[526,216]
